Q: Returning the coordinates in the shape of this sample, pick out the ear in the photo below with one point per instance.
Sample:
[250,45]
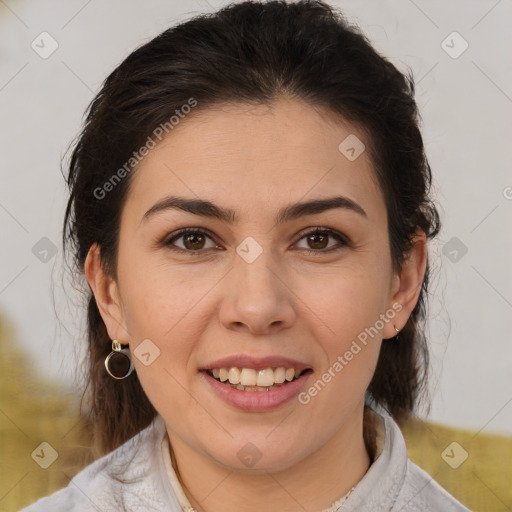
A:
[407,284]
[106,293]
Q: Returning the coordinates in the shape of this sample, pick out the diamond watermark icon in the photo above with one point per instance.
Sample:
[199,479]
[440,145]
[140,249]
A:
[454,455]
[454,45]
[454,249]
[45,455]
[44,250]
[249,454]
[147,352]
[249,249]
[351,147]
[44,45]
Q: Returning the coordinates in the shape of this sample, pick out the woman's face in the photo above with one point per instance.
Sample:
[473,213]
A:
[255,292]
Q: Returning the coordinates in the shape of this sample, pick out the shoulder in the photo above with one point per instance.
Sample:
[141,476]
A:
[82,491]
[420,492]
[129,478]
[393,482]
[416,490]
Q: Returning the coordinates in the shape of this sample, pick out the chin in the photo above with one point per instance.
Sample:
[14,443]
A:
[259,457]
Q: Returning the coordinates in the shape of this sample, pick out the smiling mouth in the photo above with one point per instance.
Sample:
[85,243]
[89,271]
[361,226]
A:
[248,379]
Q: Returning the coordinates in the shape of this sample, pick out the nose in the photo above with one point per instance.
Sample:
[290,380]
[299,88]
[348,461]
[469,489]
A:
[258,298]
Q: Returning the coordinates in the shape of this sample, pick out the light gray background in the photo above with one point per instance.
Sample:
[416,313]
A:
[466,105]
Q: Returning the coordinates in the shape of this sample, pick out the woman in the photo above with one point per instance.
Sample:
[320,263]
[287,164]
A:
[250,207]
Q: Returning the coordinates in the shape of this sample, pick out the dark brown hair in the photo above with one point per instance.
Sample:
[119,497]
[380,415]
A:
[249,52]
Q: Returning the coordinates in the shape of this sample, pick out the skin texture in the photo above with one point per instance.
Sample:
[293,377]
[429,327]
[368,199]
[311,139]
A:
[310,307]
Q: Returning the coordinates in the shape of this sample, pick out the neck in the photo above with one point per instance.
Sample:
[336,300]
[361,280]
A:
[313,484]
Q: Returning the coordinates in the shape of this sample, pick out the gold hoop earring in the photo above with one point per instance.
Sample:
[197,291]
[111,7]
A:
[119,362]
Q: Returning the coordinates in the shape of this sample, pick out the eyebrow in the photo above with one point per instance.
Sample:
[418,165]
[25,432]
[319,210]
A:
[205,208]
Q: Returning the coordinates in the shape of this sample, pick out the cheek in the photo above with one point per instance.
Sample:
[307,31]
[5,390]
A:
[350,354]
[349,304]
[349,299]
[167,307]
[156,297]
[160,308]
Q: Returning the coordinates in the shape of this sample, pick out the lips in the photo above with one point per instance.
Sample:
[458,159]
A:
[256,384]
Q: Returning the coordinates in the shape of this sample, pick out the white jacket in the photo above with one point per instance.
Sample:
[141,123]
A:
[139,477]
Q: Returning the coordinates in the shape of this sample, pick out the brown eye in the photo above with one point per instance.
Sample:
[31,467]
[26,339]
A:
[318,241]
[193,241]
[190,241]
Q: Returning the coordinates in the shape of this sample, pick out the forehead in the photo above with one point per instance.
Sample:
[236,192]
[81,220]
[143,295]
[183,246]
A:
[249,157]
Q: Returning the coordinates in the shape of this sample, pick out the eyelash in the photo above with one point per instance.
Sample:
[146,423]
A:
[168,242]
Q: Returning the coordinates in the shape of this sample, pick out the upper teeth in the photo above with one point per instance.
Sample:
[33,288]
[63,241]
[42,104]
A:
[251,377]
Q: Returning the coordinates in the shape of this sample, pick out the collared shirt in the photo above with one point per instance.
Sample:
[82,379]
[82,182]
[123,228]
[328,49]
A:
[139,477]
